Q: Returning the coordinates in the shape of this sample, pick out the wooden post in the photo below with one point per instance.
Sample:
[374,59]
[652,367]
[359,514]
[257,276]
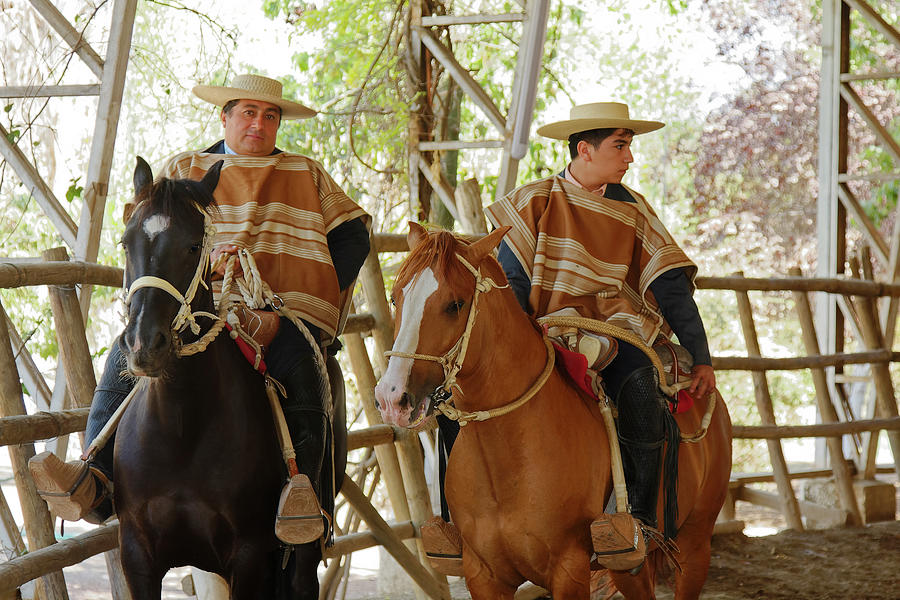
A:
[885,403]
[789,505]
[75,355]
[468,203]
[385,453]
[387,538]
[843,478]
[413,468]
[73,346]
[38,525]
[373,287]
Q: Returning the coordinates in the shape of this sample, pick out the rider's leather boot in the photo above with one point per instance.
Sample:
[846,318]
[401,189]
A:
[301,518]
[79,490]
[641,408]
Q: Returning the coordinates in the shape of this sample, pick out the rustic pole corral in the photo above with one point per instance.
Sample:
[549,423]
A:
[750,363]
[843,479]
[789,506]
[75,356]
[65,553]
[38,524]
[385,536]
[23,429]
[886,404]
[70,336]
[373,288]
[411,465]
[15,273]
[780,432]
[387,455]
[846,287]
[468,202]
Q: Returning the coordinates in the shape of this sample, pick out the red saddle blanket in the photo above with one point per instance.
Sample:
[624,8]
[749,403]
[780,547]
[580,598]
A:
[575,365]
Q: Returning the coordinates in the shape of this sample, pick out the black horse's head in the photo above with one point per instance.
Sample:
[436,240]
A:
[165,251]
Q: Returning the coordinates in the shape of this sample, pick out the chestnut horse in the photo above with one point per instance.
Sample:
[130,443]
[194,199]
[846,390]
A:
[524,486]
[198,469]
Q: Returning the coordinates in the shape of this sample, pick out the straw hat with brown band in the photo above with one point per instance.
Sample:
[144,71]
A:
[254,87]
[597,115]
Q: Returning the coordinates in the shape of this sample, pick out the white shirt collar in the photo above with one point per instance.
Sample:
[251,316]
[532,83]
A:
[571,179]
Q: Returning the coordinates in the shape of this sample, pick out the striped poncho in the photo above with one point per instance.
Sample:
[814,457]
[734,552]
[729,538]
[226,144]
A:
[589,253]
[280,208]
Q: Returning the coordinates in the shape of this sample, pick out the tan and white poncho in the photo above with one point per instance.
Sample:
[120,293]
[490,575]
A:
[280,208]
[589,253]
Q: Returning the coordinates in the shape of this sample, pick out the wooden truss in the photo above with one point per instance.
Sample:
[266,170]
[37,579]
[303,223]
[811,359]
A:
[838,204]
[511,129]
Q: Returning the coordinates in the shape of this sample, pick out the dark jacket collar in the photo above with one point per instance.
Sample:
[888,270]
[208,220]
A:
[614,191]
[219,148]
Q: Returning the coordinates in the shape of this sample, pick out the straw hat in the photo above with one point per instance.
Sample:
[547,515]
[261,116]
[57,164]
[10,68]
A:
[598,115]
[253,87]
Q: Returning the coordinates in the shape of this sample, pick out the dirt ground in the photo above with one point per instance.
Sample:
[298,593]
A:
[857,563]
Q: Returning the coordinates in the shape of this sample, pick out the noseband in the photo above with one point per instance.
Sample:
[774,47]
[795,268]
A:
[452,361]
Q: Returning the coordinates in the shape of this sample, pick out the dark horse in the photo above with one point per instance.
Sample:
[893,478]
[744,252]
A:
[198,469]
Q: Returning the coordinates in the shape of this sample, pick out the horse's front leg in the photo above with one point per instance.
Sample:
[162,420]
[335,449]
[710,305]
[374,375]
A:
[143,575]
[482,582]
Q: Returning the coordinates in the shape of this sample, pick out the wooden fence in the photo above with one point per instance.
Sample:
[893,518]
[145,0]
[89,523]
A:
[394,456]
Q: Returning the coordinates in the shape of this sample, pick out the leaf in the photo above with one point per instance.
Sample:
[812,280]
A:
[74,190]
[13,135]
[8,107]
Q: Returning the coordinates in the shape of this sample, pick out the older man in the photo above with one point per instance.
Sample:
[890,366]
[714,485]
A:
[308,239]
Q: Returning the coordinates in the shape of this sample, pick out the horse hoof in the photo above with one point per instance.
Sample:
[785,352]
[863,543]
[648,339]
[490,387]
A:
[299,519]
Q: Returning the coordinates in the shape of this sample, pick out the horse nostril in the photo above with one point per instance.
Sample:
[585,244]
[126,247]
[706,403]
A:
[160,341]
[405,400]
[377,404]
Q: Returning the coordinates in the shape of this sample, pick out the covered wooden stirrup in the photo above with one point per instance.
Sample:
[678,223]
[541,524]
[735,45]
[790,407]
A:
[300,518]
[443,546]
[618,541]
[72,490]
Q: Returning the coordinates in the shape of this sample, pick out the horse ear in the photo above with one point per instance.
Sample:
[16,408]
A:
[478,250]
[143,176]
[417,234]
[211,179]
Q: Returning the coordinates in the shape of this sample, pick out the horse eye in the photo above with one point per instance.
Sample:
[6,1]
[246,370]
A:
[393,302]
[195,249]
[455,306]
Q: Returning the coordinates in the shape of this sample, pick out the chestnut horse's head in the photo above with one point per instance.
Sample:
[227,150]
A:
[432,296]
[167,247]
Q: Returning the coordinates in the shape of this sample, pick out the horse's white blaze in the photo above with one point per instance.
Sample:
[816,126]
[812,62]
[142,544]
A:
[415,295]
[156,225]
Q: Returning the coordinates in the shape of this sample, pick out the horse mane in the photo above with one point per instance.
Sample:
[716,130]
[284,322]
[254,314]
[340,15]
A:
[172,197]
[438,250]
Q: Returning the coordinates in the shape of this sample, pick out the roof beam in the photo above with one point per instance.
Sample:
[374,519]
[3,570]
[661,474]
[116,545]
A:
[49,91]
[464,78]
[39,189]
[70,35]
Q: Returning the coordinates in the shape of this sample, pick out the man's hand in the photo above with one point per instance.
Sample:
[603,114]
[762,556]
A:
[703,381]
[225,249]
